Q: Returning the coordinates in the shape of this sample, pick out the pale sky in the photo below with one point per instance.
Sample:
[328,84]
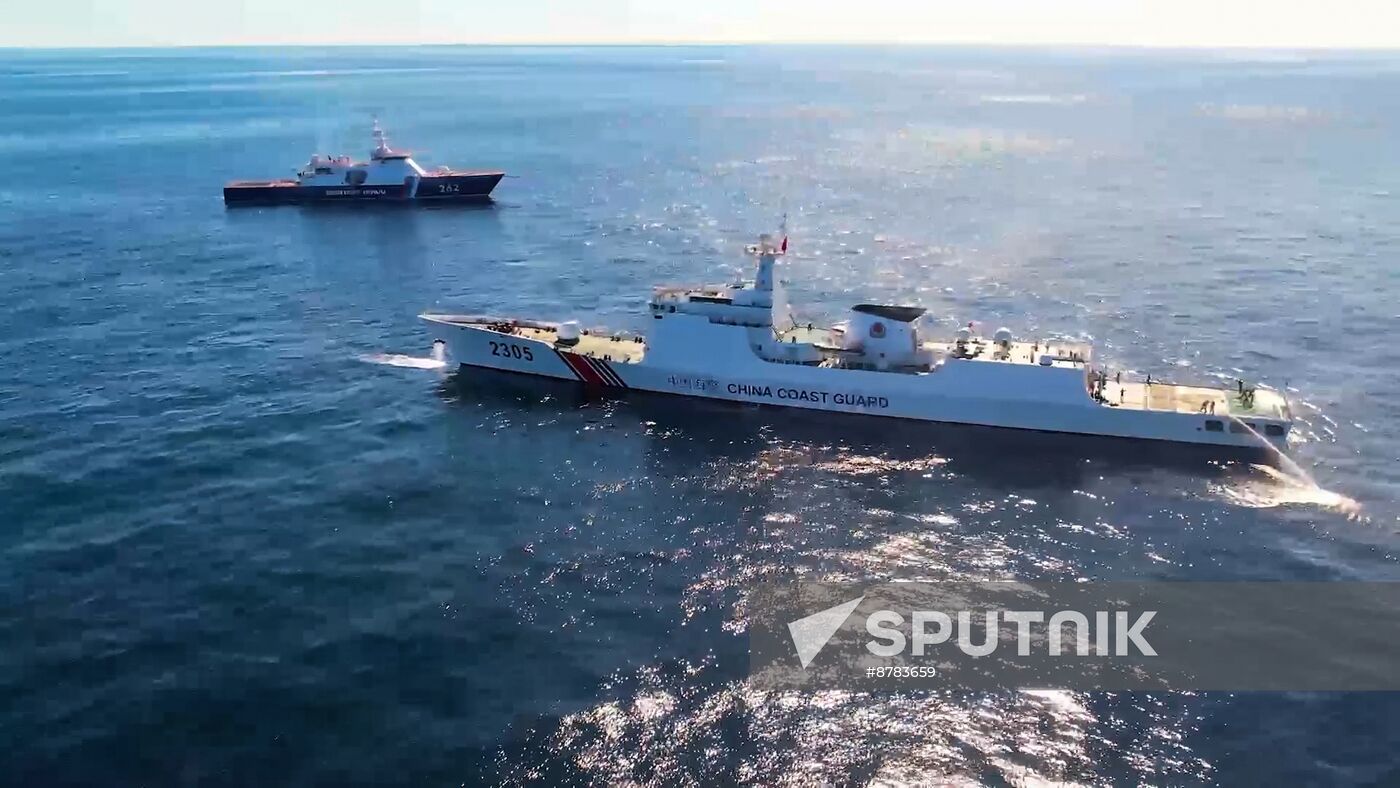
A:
[1172,23]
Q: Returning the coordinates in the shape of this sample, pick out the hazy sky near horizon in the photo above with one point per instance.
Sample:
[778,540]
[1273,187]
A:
[1211,23]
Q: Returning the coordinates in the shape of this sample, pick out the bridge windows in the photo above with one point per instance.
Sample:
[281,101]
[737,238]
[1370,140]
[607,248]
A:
[1214,425]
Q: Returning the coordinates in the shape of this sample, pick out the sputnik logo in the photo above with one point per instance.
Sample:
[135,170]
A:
[810,634]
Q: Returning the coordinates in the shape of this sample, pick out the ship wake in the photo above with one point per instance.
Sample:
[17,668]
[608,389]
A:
[1288,484]
[399,360]
[438,359]
[1276,488]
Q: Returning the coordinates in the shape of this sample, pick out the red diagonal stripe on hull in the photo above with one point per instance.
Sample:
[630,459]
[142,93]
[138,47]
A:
[580,367]
[564,357]
[606,372]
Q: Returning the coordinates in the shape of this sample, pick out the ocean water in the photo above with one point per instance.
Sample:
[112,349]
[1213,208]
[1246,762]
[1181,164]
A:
[251,537]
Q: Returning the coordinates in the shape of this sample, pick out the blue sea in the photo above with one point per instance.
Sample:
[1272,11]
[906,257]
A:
[248,538]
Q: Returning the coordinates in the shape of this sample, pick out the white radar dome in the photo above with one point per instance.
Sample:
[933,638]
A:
[568,331]
[1003,335]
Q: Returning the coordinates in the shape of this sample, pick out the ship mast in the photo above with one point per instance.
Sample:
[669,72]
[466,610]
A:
[381,143]
[767,288]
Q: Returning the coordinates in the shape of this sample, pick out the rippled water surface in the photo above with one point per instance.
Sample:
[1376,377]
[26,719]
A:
[252,536]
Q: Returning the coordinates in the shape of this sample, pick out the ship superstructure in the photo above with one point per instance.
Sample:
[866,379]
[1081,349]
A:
[389,175]
[739,342]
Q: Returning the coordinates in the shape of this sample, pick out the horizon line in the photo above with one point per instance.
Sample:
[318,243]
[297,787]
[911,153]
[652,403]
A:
[724,43]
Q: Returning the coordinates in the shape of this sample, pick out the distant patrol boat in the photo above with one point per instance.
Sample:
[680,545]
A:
[739,342]
[389,175]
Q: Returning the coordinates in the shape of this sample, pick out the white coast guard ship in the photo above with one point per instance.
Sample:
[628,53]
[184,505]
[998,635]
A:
[389,175]
[739,342]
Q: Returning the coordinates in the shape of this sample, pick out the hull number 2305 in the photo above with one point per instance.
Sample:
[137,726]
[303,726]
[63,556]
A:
[508,350]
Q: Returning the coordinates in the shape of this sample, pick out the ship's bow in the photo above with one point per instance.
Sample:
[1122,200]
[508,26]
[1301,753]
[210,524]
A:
[459,186]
